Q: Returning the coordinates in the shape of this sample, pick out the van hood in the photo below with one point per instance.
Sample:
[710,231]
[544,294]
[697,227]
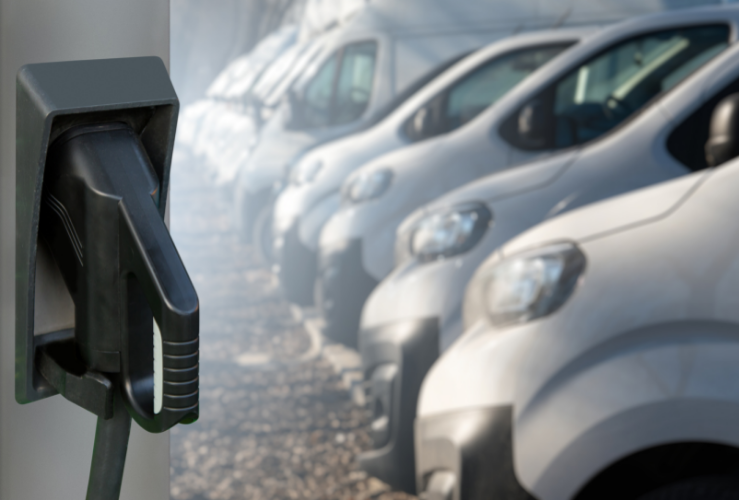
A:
[277,150]
[343,156]
[338,159]
[423,171]
[498,186]
[644,206]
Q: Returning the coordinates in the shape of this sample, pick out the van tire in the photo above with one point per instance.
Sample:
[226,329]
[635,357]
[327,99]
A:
[699,488]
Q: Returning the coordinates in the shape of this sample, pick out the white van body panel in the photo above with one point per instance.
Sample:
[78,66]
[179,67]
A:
[526,196]
[642,354]
[310,229]
[341,157]
[431,16]
[413,37]
[653,327]
[464,377]
[644,206]
[425,171]
[435,289]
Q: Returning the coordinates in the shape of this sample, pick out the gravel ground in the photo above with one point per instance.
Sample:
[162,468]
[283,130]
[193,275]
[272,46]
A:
[271,427]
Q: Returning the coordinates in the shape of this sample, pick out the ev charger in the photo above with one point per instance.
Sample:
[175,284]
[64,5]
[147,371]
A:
[106,314]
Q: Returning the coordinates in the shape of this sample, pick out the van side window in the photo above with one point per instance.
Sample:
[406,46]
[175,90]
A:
[599,95]
[414,87]
[687,141]
[354,87]
[318,93]
[485,86]
[341,89]
[476,91]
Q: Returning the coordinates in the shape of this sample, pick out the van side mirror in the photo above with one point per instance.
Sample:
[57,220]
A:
[534,125]
[418,127]
[428,120]
[723,137]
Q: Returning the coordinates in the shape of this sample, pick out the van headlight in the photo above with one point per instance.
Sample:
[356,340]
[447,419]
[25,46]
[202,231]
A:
[305,172]
[445,233]
[524,287]
[366,186]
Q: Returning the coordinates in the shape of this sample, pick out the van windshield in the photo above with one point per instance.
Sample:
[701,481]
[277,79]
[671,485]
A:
[471,96]
[354,86]
[317,98]
[340,91]
[307,56]
[606,90]
[477,90]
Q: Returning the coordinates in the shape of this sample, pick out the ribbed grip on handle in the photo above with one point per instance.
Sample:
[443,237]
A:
[157,276]
[180,387]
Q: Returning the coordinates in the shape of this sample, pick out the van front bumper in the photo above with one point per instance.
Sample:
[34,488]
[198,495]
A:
[342,288]
[246,207]
[297,266]
[395,360]
[467,455]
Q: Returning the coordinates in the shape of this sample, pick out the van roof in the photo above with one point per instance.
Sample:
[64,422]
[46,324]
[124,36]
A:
[409,17]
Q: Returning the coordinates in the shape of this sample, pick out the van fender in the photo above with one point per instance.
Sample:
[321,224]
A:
[666,383]
[316,216]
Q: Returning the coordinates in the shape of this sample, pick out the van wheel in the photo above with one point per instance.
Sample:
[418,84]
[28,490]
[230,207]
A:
[699,488]
[262,236]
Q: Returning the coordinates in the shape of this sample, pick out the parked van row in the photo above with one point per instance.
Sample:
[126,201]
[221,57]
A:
[375,58]
[440,245]
[378,56]
[448,102]
[501,238]
[599,353]
[221,128]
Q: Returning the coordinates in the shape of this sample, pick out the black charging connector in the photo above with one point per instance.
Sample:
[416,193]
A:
[136,311]
[95,143]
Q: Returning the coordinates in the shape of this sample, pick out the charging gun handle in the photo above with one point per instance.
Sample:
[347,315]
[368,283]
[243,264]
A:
[152,272]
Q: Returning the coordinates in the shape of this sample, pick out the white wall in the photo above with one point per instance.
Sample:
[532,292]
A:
[46,447]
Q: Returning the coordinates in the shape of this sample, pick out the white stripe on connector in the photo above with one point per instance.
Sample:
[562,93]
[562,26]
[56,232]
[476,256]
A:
[158,370]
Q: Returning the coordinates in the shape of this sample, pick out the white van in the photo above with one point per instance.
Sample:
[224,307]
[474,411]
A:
[230,138]
[599,359]
[415,313]
[553,113]
[257,80]
[231,85]
[268,91]
[445,100]
[222,129]
[382,49]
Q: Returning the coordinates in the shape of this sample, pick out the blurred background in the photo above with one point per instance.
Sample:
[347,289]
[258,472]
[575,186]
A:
[280,422]
[276,96]
[206,37]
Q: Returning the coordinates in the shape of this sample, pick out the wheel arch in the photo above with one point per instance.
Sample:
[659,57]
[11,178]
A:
[663,385]
[646,470]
